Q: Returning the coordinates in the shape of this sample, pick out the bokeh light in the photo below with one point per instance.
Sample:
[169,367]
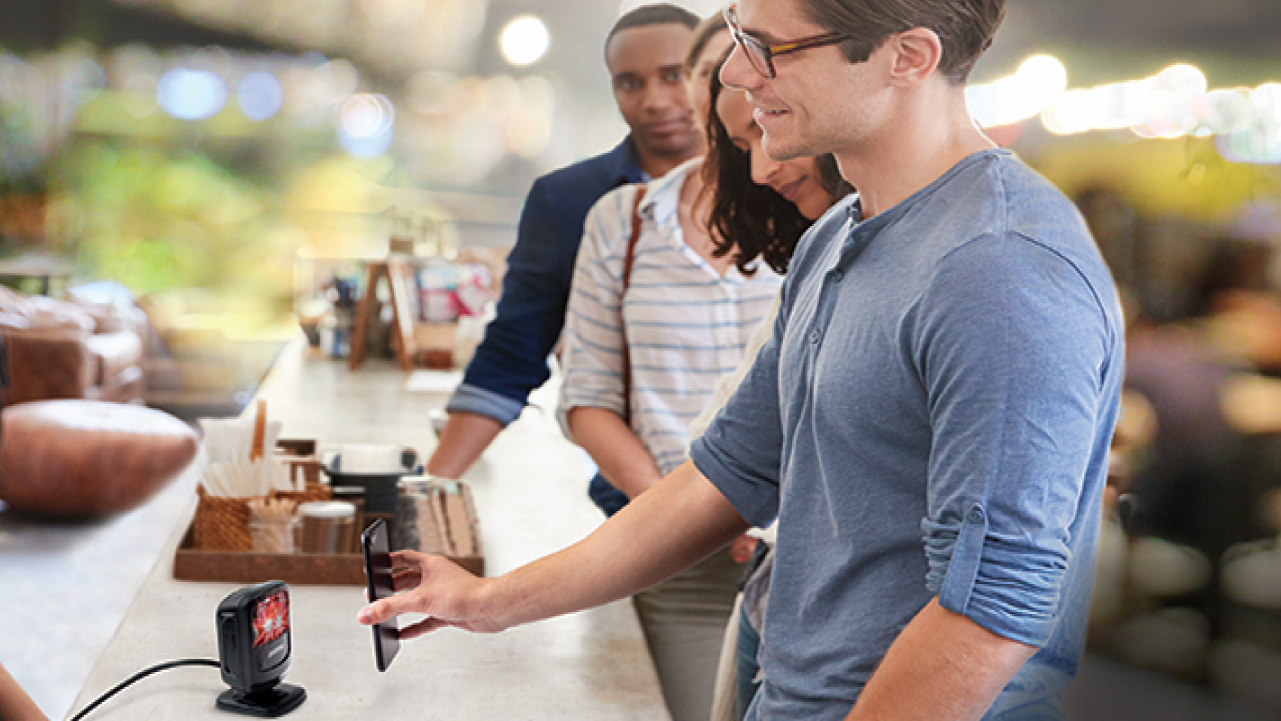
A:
[1168,104]
[365,124]
[1258,141]
[525,40]
[1040,81]
[191,94]
[260,95]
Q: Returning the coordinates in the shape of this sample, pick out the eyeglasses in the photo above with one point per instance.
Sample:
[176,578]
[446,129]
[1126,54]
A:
[761,55]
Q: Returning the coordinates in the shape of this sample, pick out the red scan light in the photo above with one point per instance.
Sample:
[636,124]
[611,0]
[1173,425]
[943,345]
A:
[271,618]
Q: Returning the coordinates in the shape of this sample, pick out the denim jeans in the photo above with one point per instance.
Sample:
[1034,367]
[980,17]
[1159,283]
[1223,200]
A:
[749,642]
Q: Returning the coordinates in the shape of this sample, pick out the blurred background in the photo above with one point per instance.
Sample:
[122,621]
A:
[215,172]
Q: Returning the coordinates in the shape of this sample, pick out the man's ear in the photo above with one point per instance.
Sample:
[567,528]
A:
[916,54]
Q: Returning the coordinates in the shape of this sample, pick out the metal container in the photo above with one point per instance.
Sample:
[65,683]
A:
[380,486]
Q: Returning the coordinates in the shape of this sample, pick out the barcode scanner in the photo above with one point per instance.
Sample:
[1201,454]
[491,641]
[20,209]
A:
[253,653]
[254,648]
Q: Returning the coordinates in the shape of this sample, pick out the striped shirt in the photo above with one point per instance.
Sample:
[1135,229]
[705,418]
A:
[686,325]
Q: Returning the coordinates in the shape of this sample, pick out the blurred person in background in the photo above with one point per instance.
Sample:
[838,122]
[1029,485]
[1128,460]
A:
[644,52]
[1237,301]
[1213,464]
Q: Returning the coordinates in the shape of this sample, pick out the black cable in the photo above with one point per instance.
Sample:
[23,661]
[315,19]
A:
[141,675]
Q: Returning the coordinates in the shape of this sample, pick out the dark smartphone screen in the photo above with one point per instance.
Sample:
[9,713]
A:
[378,579]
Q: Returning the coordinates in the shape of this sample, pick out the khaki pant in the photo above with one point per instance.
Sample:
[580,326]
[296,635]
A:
[684,622]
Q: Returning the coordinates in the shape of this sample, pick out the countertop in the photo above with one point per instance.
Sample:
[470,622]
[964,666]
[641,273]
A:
[530,496]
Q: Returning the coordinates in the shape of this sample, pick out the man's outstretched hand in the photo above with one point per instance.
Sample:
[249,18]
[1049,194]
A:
[642,545]
[436,586]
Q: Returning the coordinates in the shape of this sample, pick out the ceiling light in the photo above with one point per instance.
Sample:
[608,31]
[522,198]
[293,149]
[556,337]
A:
[524,41]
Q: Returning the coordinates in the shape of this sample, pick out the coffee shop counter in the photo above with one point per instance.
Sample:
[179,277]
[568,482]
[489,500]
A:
[529,494]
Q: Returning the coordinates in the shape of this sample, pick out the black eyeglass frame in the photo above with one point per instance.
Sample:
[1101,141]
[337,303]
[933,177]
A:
[760,55]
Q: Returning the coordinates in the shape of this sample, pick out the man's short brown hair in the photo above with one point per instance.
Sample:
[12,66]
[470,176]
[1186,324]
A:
[965,27]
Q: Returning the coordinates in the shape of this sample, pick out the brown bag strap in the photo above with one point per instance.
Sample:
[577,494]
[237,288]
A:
[628,260]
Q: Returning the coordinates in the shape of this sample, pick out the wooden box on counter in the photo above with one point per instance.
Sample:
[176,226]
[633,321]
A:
[190,564]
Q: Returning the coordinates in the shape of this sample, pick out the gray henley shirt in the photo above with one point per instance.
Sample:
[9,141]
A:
[931,418]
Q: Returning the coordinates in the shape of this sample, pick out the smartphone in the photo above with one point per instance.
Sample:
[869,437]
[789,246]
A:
[373,542]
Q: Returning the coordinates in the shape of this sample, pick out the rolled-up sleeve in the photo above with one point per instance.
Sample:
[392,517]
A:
[468,398]
[1014,375]
[512,358]
[591,351]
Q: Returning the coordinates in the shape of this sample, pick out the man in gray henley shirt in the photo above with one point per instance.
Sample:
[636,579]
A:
[930,421]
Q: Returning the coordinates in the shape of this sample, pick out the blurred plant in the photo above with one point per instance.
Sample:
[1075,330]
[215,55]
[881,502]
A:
[18,154]
[21,187]
[158,220]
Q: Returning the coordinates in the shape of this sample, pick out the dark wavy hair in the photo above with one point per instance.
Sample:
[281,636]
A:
[753,219]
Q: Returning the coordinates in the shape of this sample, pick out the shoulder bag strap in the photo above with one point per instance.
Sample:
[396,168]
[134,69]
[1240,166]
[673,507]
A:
[628,260]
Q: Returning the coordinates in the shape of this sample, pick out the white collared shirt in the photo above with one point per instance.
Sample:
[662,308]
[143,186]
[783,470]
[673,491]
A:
[686,325]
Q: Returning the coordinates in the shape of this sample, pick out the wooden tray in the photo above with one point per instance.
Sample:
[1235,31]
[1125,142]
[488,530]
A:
[341,569]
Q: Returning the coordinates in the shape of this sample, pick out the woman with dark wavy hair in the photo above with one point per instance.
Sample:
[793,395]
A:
[654,319]
[760,207]
[765,217]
